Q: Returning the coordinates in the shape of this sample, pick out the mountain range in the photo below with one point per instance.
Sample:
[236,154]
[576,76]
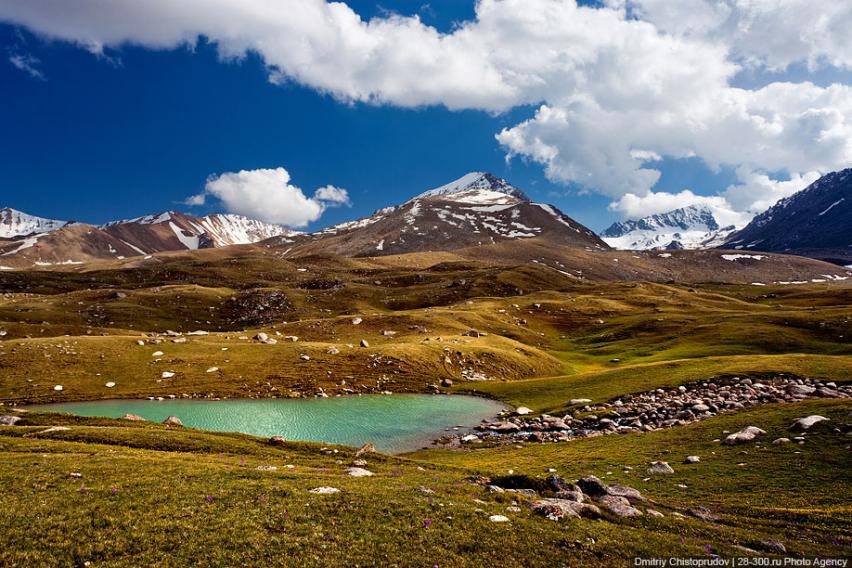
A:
[476,211]
[690,227]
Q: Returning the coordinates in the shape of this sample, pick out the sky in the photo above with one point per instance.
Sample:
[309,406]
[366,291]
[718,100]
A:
[309,113]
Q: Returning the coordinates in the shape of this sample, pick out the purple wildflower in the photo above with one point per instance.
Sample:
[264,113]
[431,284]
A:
[427,523]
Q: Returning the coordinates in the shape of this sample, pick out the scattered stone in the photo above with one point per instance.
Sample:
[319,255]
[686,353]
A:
[76,474]
[654,513]
[660,468]
[359,463]
[267,468]
[522,411]
[277,440]
[54,429]
[473,333]
[446,383]
[364,343]
[332,350]
[9,420]
[58,388]
[702,513]
[498,519]
[806,423]
[167,374]
[324,490]
[773,545]
[179,340]
[212,369]
[172,421]
[358,472]
[628,493]
[619,505]
[747,434]
[356,321]
[575,401]
[304,357]
[109,385]
[779,441]
[494,489]
[133,417]
[692,459]
[157,354]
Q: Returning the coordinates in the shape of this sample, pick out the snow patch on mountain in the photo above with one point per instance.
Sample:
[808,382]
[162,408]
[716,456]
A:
[478,188]
[14,223]
[690,227]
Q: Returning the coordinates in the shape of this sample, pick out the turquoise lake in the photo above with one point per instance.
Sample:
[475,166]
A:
[394,423]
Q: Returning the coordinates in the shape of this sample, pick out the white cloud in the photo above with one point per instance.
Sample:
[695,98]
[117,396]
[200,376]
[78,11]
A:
[333,195]
[774,34]
[617,86]
[653,203]
[757,192]
[27,63]
[267,194]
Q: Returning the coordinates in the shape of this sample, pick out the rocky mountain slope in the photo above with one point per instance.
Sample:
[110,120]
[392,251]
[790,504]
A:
[59,243]
[477,209]
[816,221]
[690,227]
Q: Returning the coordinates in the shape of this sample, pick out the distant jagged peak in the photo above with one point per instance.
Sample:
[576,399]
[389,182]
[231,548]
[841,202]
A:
[478,188]
[14,223]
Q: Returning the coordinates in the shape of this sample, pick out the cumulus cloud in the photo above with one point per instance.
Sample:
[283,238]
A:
[268,195]
[653,203]
[616,86]
[757,192]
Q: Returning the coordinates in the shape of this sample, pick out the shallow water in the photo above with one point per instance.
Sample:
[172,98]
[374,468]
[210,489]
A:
[394,423]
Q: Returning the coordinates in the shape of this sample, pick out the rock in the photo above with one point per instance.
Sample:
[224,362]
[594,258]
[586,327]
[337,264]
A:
[267,468]
[324,490]
[571,495]
[157,354]
[133,417]
[365,449]
[800,390]
[179,340]
[304,357]
[167,374]
[359,463]
[498,519]
[575,401]
[261,336]
[779,441]
[692,459]
[358,472]
[58,388]
[803,424]
[212,369]
[470,438]
[277,440]
[747,434]
[773,545]
[557,484]
[172,421]
[109,385]
[332,350]
[9,420]
[619,505]
[702,513]
[522,411]
[356,321]
[472,333]
[494,489]
[660,468]
[592,486]
[504,427]
[54,429]
[446,383]
[364,343]
[654,513]
[558,508]
[628,493]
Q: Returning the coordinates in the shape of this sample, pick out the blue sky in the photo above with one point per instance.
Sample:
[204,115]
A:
[137,130]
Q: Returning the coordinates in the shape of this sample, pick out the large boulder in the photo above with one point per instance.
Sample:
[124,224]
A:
[619,505]
[807,422]
[660,468]
[559,508]
[628,493]
[172,421]
[592,486]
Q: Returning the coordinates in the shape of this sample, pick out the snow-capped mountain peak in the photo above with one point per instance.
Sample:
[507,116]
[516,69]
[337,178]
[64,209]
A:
[476,188]
[688,227]
[14,223]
